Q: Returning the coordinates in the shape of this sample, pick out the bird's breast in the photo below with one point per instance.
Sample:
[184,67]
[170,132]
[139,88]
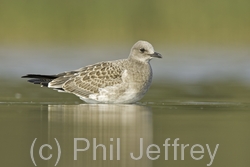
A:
[138,78]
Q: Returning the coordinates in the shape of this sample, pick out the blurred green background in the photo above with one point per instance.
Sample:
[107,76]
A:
[200,91]
[180,22]
[202,42]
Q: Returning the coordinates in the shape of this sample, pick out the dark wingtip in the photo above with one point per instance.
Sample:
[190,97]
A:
[39,76]
[29,75]
[40,79]
[25,76]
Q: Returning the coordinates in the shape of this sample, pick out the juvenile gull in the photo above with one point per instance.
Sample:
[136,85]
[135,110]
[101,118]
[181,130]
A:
[118,81]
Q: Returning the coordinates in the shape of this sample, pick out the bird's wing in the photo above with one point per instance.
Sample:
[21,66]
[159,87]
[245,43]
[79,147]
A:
[89,79]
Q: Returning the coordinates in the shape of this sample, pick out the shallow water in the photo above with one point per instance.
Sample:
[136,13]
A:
[208,115]
[199,99]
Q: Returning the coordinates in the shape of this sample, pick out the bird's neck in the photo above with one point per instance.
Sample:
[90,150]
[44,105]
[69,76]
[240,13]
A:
[138,60]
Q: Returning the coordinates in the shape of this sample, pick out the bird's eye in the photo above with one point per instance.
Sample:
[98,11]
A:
[142,50]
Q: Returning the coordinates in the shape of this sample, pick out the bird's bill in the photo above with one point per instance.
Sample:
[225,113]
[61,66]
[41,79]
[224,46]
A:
[155,54]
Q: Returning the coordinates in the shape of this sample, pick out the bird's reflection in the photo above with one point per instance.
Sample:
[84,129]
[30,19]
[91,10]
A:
[117,127]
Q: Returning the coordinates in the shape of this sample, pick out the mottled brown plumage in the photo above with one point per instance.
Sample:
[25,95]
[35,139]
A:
[119,81]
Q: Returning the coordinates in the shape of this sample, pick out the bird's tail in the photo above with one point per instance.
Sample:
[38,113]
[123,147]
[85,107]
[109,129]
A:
[40,79]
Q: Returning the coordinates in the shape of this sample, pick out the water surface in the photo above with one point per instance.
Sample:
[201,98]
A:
[190,114]
[199,99]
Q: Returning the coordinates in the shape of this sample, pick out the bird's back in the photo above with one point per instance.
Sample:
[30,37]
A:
[119,81]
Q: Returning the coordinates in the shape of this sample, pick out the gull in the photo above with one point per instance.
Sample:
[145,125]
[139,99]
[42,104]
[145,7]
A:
[118,81]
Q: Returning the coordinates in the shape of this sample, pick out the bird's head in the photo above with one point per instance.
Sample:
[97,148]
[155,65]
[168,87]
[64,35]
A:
[143,51]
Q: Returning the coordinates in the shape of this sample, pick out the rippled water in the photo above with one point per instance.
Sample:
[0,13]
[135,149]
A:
[200,103]
[197,121]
